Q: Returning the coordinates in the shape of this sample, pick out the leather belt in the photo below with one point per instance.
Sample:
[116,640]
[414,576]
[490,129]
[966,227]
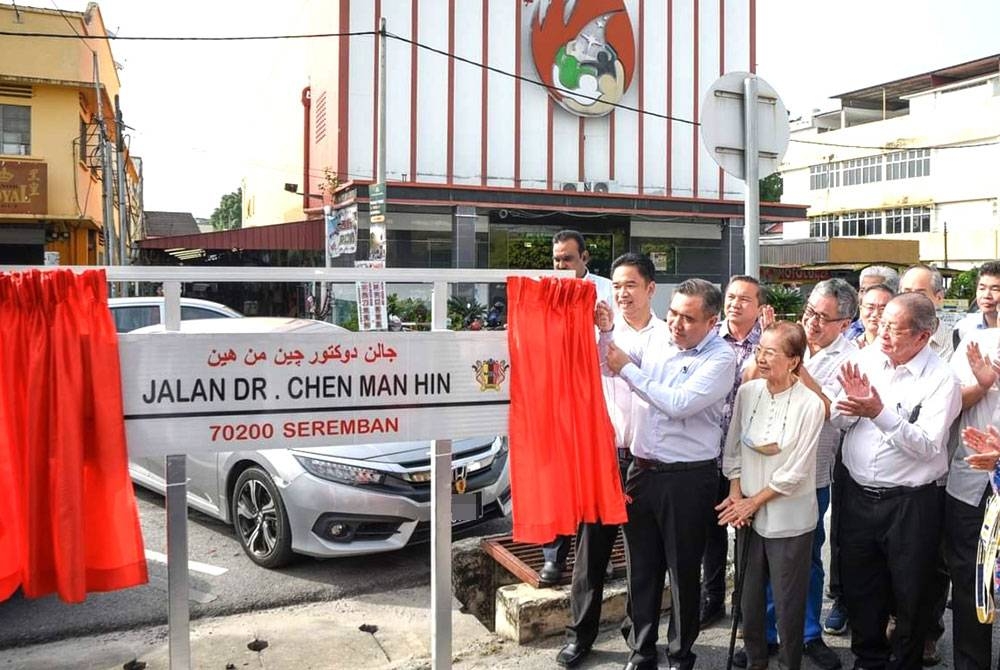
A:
[659,466]
[886,492]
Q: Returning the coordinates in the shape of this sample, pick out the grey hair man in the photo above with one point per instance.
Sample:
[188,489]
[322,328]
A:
[927,279]
[897,403]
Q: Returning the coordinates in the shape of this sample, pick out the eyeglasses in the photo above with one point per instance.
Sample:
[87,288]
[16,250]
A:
[892,328]
[810,313]
[761,352]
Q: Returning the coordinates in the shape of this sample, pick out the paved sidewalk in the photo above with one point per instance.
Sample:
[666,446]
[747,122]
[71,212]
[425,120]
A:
[327,636]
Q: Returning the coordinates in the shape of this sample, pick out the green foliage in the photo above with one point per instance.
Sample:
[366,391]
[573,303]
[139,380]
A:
[410,311]
[463,312]
[229,214]
[786,301]
[771,188]
[964,285]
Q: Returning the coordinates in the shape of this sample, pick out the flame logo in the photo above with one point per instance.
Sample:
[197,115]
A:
[587,59]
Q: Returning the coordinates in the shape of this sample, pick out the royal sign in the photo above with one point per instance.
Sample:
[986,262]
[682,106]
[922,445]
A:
[23,187]
[188,393]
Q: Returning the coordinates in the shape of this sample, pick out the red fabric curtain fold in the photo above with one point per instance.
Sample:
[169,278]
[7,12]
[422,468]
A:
[564,467]
[64,484]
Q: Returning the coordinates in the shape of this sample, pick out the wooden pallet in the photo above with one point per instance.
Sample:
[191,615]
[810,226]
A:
[525,560]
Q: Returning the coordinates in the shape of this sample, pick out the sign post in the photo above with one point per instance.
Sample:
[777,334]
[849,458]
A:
[744,127]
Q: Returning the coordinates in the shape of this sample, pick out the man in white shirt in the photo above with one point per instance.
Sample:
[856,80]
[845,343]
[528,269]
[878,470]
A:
[987,300]
[897,405]
[684,377]
[569,252]
[968,490]
[927,279]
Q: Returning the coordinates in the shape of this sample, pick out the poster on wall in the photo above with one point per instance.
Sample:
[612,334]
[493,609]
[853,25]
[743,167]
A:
[347,230]
[373,311]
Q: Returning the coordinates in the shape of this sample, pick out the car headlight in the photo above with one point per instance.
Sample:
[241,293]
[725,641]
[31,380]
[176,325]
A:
[339,472]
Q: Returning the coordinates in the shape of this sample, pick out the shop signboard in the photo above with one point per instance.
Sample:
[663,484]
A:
[23,187]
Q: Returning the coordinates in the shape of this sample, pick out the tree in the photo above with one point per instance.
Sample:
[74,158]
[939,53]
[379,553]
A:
[229,214]
[771,188]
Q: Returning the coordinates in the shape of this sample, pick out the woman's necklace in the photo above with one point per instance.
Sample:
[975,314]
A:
[774,447]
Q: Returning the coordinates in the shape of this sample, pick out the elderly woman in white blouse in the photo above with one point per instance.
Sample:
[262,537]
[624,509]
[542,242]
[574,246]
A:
[770,460]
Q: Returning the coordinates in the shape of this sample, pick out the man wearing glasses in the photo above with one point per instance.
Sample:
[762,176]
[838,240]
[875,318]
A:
[871,276]
[897,403]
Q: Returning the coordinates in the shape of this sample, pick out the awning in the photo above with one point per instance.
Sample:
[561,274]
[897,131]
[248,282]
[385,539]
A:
[300,235]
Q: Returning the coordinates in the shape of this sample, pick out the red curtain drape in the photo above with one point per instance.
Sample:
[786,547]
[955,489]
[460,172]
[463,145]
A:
[69,523]
[564,468]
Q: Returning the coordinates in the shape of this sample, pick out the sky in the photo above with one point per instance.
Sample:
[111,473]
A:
[206,114]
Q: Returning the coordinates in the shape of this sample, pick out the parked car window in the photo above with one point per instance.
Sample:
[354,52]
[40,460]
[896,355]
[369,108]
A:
[192,313]
[138,316]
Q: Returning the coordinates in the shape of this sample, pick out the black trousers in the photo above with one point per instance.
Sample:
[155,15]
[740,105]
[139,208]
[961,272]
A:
[888,552]
[716,554]
[971,640]
[594,544]
[667,519]
[837,485]
[940,581]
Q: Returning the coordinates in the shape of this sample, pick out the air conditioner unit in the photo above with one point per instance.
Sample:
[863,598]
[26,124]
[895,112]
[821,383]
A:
[586,186]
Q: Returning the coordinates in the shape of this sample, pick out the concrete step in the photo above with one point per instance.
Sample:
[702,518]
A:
[524,613]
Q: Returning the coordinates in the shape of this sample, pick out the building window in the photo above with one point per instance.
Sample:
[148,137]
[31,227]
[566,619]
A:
[908,164]
[871,222]
[903,220]
[321,117]
[15,130]
[866,170]
[823,226]
[824,176]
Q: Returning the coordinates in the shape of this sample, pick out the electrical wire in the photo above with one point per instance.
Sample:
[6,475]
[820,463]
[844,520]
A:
[72,27]
[462,59]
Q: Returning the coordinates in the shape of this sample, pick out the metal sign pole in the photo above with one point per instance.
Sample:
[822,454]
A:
[441,555]
[751,204]
[178,612]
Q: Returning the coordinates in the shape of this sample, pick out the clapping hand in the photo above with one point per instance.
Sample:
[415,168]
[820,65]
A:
[985,370]
[985,444]
[766,316]
[862,399]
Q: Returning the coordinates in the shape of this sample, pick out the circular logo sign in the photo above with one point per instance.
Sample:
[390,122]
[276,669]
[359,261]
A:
[585,57]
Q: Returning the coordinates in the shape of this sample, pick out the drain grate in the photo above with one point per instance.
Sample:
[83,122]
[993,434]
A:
[525,560]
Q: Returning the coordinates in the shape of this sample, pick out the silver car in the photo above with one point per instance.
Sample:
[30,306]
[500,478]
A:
[329,501]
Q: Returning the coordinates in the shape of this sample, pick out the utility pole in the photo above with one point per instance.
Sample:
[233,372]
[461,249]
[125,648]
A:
[377,248]
[108,196]
[123,229]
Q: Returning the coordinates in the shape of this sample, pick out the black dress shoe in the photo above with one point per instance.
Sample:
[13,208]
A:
[740,656]
[711,612]
[550,573]
[571,655]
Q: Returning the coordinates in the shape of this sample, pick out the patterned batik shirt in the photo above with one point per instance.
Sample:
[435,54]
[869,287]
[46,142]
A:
[743,350]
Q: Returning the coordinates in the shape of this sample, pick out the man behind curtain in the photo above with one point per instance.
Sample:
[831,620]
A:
[684,376]
[569,252]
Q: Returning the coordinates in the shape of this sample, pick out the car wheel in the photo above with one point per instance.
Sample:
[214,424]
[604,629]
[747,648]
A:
[260,519]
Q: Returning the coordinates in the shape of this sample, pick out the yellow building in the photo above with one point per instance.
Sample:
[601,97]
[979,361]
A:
[51,188]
